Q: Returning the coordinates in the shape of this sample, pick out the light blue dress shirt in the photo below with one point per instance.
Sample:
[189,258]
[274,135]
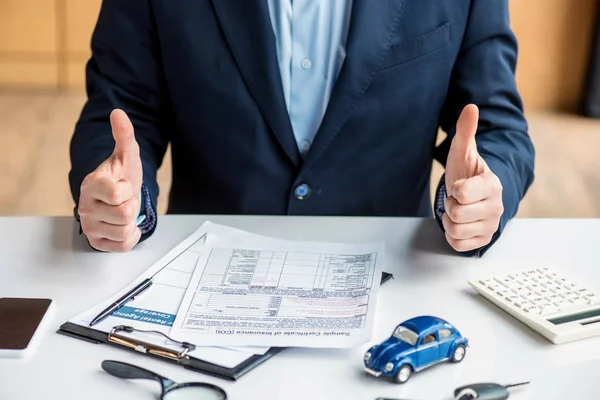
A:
[311,48]
[311,40]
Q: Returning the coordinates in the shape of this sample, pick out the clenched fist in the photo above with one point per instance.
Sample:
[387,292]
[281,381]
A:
[474,204]
[109,203]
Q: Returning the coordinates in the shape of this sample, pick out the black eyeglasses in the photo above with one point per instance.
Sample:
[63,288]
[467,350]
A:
[170,390]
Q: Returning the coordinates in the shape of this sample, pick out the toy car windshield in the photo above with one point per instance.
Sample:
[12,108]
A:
[406,335]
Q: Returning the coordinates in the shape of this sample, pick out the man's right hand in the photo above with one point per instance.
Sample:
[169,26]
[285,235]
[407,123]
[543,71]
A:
[109,202]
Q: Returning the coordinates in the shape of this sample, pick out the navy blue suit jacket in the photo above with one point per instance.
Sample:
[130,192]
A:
[203,76]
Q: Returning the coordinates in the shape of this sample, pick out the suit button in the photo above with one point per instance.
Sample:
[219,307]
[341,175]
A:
[302,191]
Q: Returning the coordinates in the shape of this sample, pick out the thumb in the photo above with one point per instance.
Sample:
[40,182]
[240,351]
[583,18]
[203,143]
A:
[123,133]
[466,127]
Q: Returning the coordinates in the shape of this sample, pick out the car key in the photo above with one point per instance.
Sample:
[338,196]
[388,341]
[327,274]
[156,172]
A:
[484,391]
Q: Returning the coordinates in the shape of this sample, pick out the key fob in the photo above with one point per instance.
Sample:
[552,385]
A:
[482,391]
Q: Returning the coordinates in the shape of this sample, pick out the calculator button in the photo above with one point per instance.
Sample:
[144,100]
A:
[545,304]
[556,288]
[516,276]
[593,300]
[531,272]
[539,278]
[511,283]
[543,270]
[582,291]
[552,297]
[571,286]
[590,296]
[537,300]
[527,294]
[513,297]
[530,308]
[577,300]
[518,303]
[561,302]
[514,286]
[503,281]
[542,292]
[550,309]
[533,286]
[552,276]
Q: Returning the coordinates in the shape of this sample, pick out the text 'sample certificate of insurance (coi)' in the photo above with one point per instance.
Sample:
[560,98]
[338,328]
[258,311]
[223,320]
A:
[271,292]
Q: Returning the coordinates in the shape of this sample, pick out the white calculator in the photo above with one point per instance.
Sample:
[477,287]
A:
[556,306]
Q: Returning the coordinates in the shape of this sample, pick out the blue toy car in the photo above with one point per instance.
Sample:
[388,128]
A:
[416,344]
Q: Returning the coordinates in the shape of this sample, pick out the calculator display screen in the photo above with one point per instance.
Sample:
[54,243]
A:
[576,317]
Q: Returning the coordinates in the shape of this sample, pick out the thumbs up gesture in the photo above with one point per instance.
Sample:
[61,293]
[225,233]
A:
[474,204]
[109,202]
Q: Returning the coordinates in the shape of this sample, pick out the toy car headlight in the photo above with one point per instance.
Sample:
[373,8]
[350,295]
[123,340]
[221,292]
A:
[389,366]
[367,356]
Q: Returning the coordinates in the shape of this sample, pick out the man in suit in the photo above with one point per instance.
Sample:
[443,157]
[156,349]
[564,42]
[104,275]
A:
[301,107]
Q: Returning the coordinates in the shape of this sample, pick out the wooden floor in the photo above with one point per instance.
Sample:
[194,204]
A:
[35,130]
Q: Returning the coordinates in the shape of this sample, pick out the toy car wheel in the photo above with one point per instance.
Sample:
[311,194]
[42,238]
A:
[403,374]
[459,353]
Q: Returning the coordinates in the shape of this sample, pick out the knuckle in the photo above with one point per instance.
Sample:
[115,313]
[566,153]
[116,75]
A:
[454,230]
[487,240]
[497,188]
[125,212]
[123,232]
[96,243]
[455,244]
[115,197]
[122,247]
[498,209]
[462,245]
[87,181]
[119,247]
[90,228]
[454,213]
[85,227]
[461,194]
[84,211]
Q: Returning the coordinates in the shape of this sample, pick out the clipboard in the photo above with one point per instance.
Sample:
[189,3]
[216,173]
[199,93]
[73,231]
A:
[152,350]
[181,357]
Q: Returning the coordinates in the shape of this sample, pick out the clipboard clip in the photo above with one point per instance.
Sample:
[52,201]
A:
[148,348]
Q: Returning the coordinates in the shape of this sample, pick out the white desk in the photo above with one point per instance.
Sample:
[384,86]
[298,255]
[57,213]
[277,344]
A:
[44,257]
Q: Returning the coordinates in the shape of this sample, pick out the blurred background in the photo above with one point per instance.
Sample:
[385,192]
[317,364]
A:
[44,45]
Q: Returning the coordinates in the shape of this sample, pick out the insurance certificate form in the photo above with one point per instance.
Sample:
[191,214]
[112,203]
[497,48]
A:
[276,293]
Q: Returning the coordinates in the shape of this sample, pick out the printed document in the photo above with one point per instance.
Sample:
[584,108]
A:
[259,291]
[155,309]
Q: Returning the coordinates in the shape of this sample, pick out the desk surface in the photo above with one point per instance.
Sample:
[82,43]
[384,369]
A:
[44,257]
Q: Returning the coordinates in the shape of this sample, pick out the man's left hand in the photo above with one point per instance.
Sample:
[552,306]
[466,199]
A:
[474,204]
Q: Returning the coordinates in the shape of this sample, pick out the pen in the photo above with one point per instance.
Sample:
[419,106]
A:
[136,291]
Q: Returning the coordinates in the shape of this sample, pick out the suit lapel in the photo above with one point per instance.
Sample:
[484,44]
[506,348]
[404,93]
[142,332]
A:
[372,26]
[247,28]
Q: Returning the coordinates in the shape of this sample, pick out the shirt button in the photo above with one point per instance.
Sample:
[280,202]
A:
[304,146]
[306,63]
[302,191]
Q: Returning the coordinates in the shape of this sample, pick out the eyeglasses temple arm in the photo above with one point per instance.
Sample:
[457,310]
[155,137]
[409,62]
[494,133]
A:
[128,371]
